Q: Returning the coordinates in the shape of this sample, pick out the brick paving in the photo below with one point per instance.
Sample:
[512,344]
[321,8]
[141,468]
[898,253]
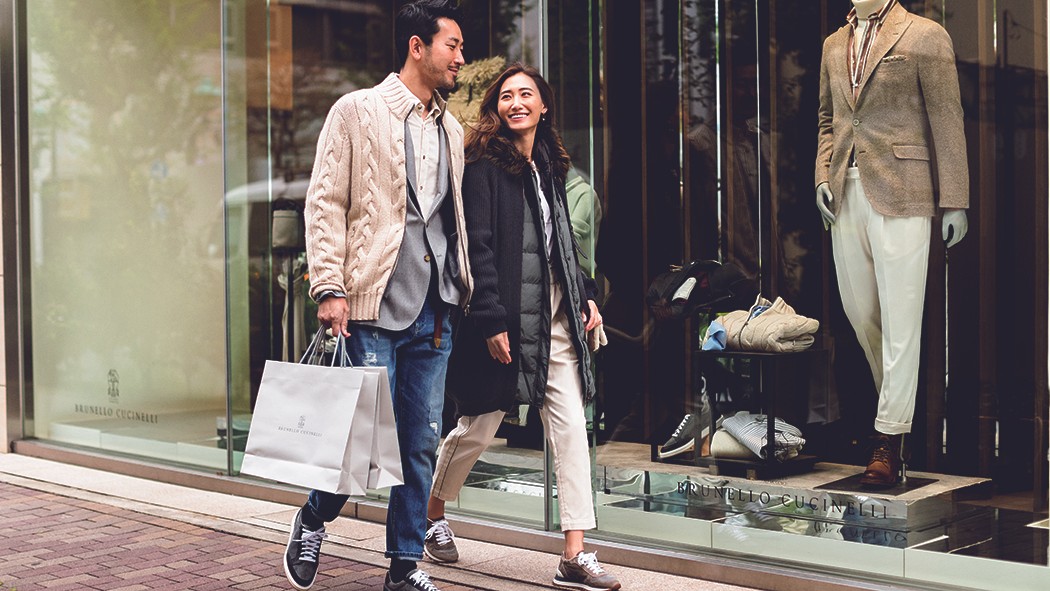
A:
[55,543]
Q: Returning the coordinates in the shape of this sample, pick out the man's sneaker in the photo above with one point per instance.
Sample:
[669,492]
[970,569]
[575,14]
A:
[584,572]
[300,558]
[415,580]
[440,543]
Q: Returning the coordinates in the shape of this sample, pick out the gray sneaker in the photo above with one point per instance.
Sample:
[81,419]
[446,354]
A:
[302,552]
[584,572]
[416,580]
[440,543]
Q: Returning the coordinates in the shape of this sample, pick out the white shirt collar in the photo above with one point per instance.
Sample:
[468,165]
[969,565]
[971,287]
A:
[437,104]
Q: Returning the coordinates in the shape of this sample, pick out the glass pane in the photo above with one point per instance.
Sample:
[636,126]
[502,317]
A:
[248,194]
[725,109]
[126,226]
[510,480]
[286,65]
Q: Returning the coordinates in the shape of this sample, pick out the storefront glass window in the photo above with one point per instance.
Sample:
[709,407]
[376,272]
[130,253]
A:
[727,113]
[169,141]
[125,227]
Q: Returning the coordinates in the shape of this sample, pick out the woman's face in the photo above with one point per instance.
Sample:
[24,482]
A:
[519,104]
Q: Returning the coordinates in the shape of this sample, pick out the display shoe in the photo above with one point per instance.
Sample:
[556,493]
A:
[683,439]
[693,429]
[885,468]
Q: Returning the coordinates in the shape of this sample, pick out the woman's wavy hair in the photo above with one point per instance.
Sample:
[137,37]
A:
[489,138]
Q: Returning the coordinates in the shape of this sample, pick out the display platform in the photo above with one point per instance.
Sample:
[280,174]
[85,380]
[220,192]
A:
[932,529]
[854,484]
[826,501]
[197,438]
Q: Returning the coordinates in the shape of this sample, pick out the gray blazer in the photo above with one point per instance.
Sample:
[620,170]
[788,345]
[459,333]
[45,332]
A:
[906,124]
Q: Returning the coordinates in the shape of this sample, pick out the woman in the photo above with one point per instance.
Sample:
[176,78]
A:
[525,338]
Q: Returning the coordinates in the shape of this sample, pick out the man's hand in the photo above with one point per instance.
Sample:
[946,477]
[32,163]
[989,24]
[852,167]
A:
[824,201]
[334,313]
[953,226]
[499,347]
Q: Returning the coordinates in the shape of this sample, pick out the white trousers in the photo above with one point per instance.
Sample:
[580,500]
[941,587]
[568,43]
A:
[564,424]
[881,263]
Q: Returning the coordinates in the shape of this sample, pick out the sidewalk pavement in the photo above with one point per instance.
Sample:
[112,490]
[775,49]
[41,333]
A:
[71,528]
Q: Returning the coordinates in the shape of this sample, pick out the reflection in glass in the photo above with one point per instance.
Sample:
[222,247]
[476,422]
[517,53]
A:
[126,231]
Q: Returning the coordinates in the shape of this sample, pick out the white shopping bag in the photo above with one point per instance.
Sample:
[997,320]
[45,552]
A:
[375,459]
[328,428]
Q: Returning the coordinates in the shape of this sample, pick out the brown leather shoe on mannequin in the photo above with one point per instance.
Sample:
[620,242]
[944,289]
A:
[884,467]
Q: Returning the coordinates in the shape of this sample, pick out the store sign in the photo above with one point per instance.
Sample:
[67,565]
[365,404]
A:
[116,413]
[114,387]
[778,501]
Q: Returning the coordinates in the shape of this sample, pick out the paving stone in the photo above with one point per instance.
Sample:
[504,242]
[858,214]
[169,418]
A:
[54,543]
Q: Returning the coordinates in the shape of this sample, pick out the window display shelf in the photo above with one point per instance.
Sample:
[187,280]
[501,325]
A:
[768,400]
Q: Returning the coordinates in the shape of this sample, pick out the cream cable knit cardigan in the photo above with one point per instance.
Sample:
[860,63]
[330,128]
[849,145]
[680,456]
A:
[357,198]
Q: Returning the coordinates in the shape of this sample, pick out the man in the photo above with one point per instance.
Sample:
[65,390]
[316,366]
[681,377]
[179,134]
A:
[387,250]
[890,152]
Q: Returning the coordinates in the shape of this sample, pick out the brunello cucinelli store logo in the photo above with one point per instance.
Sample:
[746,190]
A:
[114,412]
[117,413]
[113,378]
[787,501]
[299,428]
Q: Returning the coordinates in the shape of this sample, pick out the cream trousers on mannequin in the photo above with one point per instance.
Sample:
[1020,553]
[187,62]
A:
[881,263]
[564,424]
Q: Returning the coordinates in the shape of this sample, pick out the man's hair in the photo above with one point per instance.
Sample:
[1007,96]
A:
[420,19]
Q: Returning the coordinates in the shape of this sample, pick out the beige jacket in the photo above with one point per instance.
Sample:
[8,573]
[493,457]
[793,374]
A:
[357,199]
[906,124]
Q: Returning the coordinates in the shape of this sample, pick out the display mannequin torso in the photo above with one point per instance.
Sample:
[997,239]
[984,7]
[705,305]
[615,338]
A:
[954,223]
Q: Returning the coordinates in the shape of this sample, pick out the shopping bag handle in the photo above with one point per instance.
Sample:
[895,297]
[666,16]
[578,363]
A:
[315,350]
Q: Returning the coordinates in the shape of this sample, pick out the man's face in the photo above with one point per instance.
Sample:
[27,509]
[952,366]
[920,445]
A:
[444,56]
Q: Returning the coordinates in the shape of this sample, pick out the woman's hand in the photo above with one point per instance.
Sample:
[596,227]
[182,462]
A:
[499,347]
[596,316]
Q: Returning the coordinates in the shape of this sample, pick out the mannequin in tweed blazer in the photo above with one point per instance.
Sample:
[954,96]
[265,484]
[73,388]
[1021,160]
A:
[906,123]
[888,157]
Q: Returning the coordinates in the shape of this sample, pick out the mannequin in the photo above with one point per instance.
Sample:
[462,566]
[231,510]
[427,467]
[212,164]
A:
[868,7]
[890,130]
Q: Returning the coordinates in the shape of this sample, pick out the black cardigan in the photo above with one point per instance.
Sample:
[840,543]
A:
[495,215]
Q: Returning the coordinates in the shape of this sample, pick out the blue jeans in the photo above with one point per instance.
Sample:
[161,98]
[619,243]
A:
[417,384]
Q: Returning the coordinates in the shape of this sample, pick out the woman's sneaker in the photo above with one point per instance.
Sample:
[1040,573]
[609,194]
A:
[584,572]
[440,543]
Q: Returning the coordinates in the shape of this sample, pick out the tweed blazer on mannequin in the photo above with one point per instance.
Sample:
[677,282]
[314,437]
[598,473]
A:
[906,123]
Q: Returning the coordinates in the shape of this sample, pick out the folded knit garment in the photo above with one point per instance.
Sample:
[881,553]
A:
[724,445]
[768,327]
